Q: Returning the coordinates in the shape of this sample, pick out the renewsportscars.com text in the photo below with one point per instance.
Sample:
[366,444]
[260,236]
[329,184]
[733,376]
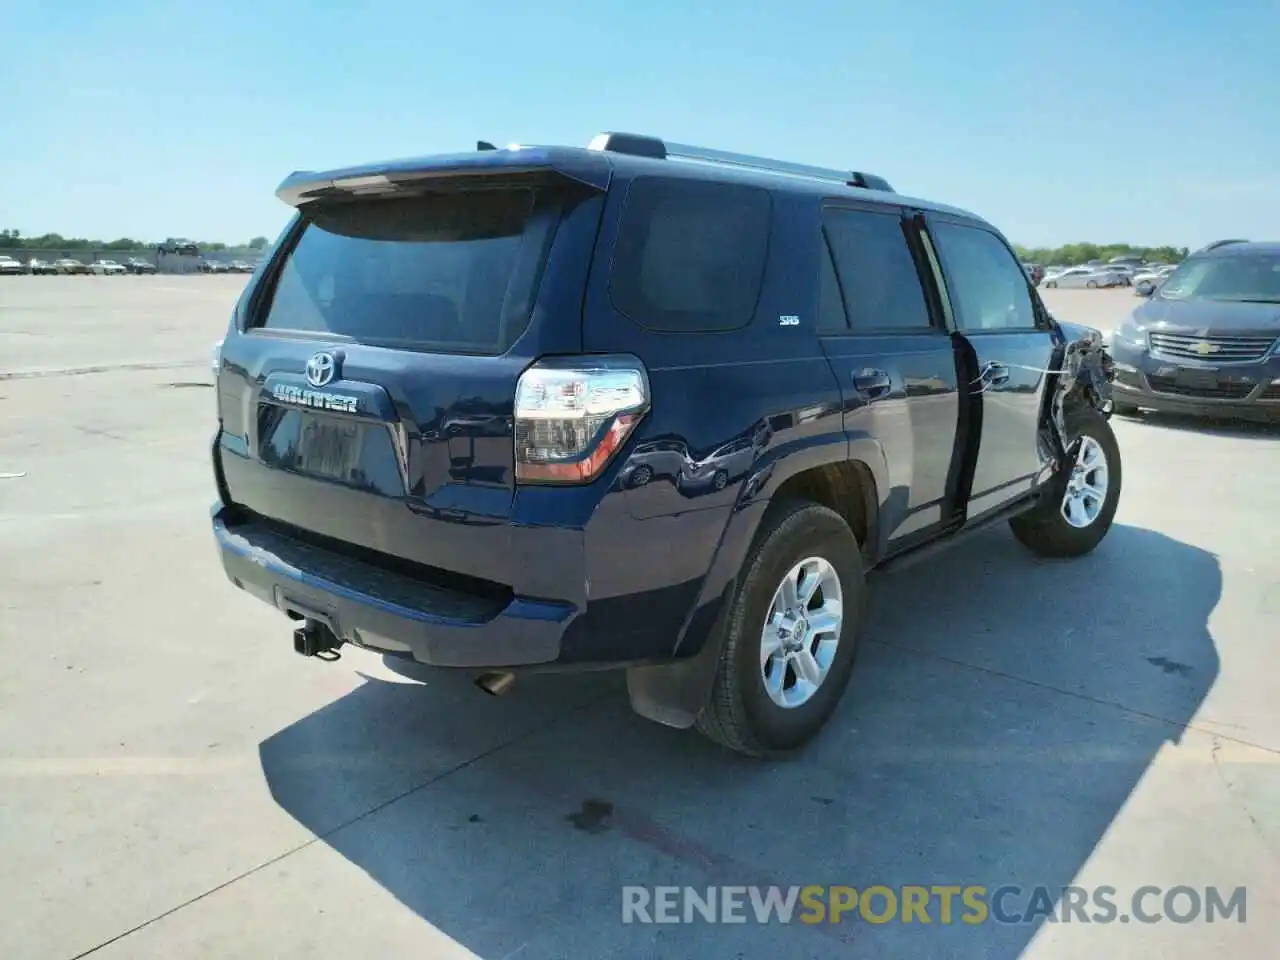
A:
[972,904]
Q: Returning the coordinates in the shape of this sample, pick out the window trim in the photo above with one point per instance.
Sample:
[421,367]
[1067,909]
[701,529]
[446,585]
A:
[620,222]
[900,214]
[1040,323]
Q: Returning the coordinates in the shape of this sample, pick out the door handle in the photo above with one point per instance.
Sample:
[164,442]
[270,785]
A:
[995,374]
[873,384]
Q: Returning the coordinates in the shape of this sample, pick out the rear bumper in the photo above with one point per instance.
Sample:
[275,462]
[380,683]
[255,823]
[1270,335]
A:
[387,611]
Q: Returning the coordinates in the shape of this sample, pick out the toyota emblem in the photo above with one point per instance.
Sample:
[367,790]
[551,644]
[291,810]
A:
[321,369]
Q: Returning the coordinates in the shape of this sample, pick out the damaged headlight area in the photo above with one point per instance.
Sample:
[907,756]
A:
[1085,375]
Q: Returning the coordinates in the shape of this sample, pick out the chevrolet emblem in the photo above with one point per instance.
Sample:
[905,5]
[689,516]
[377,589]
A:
[1204,347]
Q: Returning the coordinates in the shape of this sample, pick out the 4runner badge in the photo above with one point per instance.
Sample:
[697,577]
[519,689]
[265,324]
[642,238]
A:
[788,320]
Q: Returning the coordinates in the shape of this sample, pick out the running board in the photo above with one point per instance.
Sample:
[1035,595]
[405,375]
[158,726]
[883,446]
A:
[960,534]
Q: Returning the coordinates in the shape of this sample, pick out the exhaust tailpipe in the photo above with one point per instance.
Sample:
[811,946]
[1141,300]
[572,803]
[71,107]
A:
[496,684]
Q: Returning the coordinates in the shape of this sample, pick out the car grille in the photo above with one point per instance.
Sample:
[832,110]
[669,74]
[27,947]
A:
[1220,349]
[1271,393]
[1223,391]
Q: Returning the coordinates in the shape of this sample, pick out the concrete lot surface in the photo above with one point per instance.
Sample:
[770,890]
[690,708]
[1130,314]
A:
[176,782]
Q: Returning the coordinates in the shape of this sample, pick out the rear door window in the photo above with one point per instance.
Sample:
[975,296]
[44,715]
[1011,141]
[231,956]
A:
[690,254]
[879,282]
[450,272]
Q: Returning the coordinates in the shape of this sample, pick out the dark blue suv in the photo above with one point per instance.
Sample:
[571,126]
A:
[639,405]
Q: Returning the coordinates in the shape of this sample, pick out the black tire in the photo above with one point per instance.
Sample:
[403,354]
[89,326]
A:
[1051,285]
[1124,409]
[1045,531]
[739,713]
[1092,284]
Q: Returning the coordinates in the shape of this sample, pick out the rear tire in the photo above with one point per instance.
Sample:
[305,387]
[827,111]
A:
[742,714]
[1092,285]
[1124,409]
[1046,531]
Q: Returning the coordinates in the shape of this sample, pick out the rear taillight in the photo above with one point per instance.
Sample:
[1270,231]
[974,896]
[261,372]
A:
[573,414]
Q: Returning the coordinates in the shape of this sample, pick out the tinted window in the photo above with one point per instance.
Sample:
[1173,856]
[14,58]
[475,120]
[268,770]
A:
[988,289]
[690,255]
[831,315]
[878,275]
[450,272]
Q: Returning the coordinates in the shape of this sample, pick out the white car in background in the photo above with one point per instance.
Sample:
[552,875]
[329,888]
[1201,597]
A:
[10,267]
[1090,277]
[106,268]
[1146,283]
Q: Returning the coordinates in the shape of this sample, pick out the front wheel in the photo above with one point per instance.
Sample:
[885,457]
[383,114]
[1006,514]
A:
[1092,285]
[792,634]
[1050,284]
[1079,504]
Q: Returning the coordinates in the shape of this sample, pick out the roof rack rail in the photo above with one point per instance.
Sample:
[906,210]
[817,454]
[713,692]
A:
[1218,243]
[640,145]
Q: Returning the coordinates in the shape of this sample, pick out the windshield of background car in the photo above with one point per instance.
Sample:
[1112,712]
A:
[449,272]
[1241,277]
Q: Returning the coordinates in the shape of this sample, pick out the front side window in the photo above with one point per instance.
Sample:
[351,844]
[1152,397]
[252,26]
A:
[987,286]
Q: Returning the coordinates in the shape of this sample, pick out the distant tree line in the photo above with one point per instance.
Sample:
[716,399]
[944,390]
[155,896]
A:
[1074,254]
[14,240]
[1070,255]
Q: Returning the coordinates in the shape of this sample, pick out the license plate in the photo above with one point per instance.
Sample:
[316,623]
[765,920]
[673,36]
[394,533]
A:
[329,448]
[1189,377]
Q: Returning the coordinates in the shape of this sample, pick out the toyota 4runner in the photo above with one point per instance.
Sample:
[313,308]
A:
[639,405]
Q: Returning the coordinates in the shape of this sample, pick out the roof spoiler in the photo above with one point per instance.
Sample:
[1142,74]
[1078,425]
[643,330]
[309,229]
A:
[380,179]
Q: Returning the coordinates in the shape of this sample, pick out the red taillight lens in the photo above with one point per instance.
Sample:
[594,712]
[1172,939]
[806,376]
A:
[573,414]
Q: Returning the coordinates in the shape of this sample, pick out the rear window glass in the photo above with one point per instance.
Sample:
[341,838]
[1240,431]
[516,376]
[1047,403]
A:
[690,254]
[446,272]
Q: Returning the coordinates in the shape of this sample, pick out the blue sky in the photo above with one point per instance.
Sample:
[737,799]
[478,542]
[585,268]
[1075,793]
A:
[1147,122]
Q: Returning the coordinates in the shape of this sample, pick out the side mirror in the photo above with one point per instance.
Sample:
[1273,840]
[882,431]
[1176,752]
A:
[1145,289]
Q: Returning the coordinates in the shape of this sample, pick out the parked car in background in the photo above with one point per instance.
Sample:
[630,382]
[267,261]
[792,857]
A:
[240,266]
[69,265]
[181,247]
[107,268]
[1207,342]
[139,266]
[1090,277]
[1146,282]
[213,266]
[10,267]
[1124,271]
[41,268]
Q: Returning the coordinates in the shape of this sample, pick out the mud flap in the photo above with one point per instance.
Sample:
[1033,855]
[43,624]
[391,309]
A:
[674,694]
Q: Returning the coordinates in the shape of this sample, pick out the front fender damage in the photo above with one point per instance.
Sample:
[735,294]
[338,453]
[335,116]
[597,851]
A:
[1085,372]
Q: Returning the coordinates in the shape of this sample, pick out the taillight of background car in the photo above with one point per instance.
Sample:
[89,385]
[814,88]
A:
[573,415]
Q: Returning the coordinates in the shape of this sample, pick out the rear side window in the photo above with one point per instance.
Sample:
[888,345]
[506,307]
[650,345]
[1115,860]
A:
[690,255]
[878,275]
[452,272]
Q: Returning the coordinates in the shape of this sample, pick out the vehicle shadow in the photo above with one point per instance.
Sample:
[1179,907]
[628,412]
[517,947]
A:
[1209,426]
[978,744]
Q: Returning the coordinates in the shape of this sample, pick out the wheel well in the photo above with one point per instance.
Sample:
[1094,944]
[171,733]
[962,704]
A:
[847,488]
